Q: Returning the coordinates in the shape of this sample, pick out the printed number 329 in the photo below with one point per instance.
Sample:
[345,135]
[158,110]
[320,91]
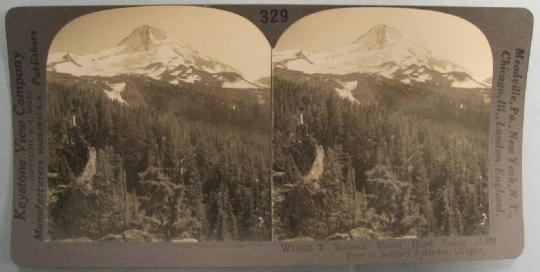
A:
[274,16]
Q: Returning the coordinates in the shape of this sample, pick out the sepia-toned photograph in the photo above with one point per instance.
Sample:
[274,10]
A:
[238,135]
[381,124]
[159,127]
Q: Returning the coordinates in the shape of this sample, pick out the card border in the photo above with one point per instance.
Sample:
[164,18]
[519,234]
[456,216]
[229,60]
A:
[499,25]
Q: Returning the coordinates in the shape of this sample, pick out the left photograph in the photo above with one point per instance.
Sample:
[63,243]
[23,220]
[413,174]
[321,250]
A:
[159,127]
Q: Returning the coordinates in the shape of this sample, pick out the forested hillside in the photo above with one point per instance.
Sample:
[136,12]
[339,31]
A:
[404,161]
[173,163]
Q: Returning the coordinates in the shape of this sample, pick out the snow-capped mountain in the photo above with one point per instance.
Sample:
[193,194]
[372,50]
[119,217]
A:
[152,52]
[382,50]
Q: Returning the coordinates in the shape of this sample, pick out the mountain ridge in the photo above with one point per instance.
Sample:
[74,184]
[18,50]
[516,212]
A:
[152,52]
[382,50]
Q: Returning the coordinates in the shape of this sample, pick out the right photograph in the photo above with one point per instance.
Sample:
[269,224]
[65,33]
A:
[380,127]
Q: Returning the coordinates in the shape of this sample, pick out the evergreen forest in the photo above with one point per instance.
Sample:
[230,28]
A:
[178,163]
[401,161]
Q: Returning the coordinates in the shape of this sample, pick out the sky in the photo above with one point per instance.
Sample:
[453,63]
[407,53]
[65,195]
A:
[443,34]
[228,37]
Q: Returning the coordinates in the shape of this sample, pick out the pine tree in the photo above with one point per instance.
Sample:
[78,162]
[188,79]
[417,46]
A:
[161,200]
[422,196]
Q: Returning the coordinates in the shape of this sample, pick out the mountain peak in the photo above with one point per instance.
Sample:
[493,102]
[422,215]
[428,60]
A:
[142,37]
[381,27]
[150,52]
[378,37]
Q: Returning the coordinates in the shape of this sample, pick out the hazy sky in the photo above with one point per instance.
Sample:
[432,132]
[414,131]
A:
[220,34]
[445,35]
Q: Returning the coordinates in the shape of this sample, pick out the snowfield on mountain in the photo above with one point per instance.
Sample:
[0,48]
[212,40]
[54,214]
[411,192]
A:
[151,52]
[383,50]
